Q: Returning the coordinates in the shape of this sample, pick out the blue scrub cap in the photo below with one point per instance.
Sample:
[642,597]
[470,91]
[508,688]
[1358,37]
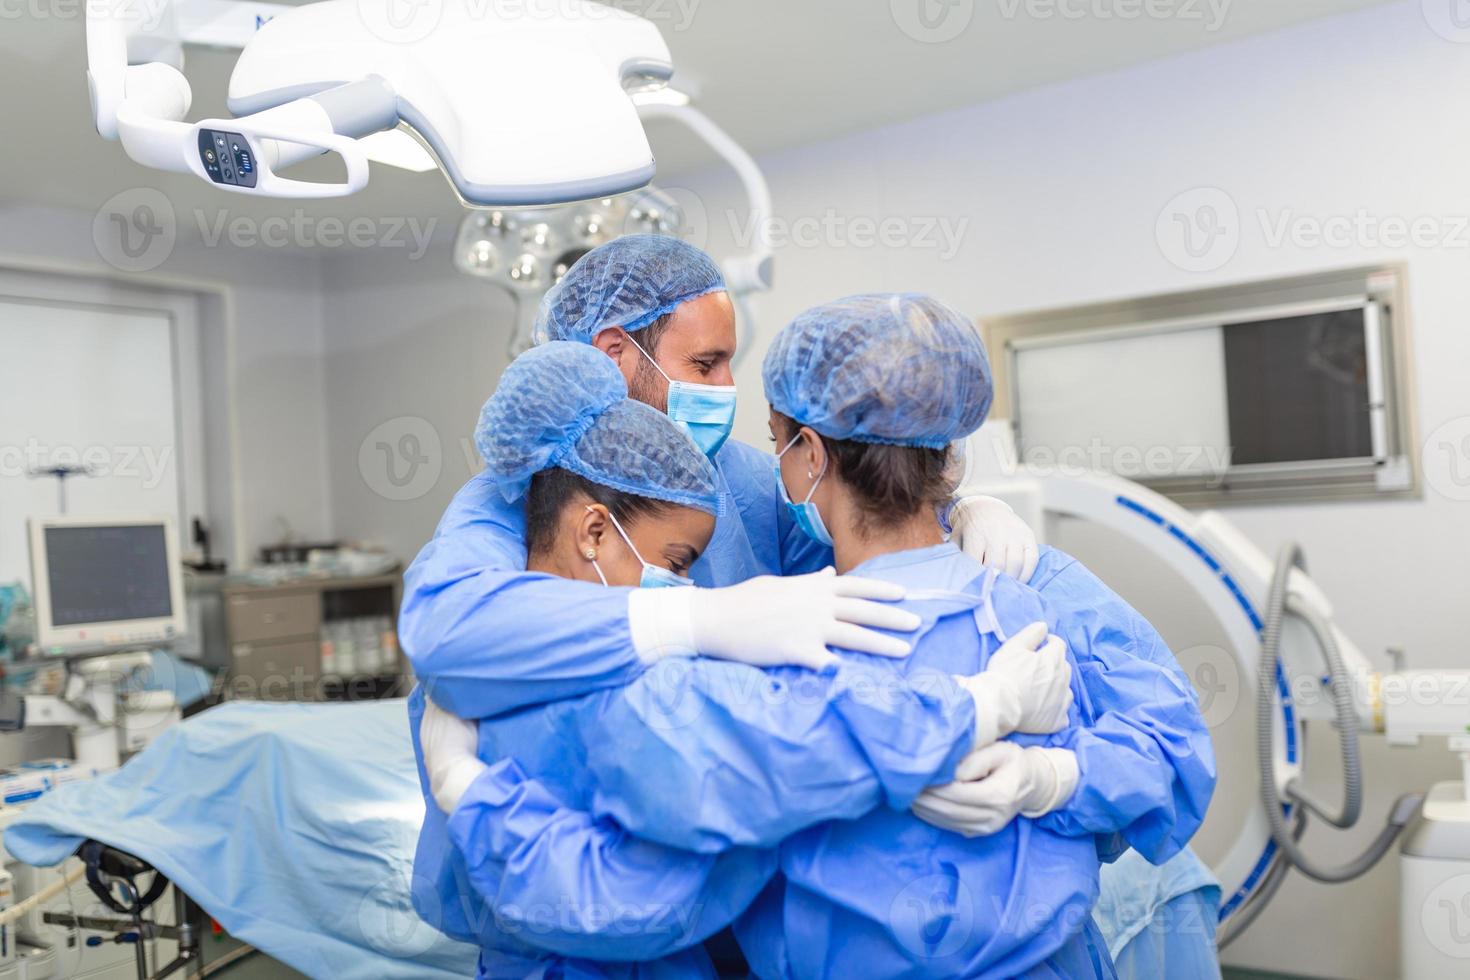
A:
[895,368]
[629,282]
[565,404]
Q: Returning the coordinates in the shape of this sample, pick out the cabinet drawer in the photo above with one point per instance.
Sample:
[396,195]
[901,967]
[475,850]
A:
[289,671]
[274,617]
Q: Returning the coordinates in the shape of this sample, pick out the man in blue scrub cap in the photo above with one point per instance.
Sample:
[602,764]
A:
[488,637]
[1136,767]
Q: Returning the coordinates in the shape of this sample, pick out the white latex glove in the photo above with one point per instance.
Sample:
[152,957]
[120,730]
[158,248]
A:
[988,531]
[1026,687]
[997,782]
[449,743]
[771,621]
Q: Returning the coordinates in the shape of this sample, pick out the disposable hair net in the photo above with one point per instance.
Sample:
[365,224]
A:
[565,404]
[629,282]
[896,368]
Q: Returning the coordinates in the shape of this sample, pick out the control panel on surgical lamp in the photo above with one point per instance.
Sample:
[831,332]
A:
[321,78]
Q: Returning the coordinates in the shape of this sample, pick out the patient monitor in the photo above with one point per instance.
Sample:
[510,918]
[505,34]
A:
[107,592]
[525,103]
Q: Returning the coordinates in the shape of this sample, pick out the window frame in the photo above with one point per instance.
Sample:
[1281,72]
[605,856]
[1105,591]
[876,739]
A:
[1392,469]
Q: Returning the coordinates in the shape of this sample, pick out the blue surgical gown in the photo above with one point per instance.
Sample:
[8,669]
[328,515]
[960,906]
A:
[489,636]
[743,758]
[1146,734]
[524,843]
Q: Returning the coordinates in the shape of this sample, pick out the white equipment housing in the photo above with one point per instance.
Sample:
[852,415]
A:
[521,104]
[1231,576]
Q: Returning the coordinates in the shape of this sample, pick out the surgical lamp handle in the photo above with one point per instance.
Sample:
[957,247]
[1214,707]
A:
[750,272]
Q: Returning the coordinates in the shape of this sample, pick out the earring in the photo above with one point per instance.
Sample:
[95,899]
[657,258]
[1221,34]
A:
[590,554]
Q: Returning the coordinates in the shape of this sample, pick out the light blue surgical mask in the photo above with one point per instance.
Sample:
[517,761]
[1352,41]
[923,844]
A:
[706,412]
[805,514]
[654,576]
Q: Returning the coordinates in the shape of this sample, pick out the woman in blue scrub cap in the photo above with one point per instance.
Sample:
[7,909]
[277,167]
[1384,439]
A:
[615,492]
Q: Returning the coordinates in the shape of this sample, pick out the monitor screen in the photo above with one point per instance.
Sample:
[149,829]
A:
[107,574]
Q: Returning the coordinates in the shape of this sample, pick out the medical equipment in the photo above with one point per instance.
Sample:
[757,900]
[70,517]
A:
[323,77]
[60,474]
[527,251]
[107,591]
[1279,630]
[105,583]
[217,806]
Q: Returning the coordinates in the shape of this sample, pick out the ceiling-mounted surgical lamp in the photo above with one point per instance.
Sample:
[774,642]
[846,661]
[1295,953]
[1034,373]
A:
[321,78]
[528,250]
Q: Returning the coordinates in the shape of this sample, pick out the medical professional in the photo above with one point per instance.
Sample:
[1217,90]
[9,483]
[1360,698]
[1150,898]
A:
[615,493]
[1131,769]
[494,637]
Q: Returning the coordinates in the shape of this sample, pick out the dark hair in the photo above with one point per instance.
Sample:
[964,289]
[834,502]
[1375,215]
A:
[648,338]
[888,483]
[553,490]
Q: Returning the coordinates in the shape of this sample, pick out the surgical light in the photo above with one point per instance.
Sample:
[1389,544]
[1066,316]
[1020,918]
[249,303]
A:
[527,251]
[327,76]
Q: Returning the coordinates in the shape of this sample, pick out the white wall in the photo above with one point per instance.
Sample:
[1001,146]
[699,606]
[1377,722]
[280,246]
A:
[277,360]
[413,349]
[1061,189]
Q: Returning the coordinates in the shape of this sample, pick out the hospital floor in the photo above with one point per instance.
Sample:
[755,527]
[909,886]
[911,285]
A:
[256,966]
